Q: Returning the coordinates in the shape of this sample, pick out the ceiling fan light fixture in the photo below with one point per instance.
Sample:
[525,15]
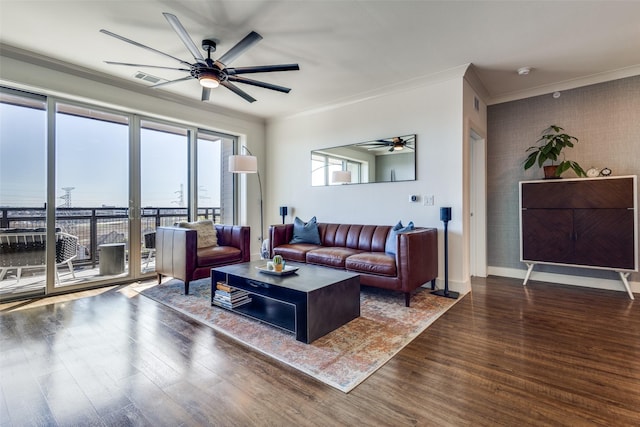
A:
[209,81]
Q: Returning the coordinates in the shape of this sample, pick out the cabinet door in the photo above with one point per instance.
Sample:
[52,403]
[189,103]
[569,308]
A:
[604,237]
[547,235]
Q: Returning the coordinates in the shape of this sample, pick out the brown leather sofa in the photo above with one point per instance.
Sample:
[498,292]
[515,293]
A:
[178,255]
[361,249]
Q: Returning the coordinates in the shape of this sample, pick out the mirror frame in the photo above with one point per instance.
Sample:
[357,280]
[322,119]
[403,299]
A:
[366,158]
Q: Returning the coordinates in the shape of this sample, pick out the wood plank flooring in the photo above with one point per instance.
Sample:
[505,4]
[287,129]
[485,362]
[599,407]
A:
[543,354]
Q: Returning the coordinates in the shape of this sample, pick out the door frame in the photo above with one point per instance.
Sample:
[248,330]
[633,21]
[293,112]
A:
[478,208]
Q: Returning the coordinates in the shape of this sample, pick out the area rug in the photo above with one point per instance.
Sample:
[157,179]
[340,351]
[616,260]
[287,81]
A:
[343,358]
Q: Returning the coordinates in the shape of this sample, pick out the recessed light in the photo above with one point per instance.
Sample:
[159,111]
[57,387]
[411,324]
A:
[524,71]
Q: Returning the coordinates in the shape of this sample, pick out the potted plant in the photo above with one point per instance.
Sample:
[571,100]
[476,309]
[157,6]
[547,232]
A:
[550,146]
[278,263]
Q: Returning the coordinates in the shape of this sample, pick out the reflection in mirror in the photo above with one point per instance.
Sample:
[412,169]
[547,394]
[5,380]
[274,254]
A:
[381,160]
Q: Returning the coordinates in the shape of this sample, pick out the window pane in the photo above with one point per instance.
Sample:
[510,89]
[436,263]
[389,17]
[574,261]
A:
[23,142]
[215,184]
[23,169]
[92,189]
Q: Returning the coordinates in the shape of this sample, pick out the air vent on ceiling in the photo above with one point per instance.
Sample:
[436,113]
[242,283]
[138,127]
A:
[147,77]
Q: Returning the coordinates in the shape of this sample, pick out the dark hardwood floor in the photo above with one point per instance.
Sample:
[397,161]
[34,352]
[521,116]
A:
[505,354]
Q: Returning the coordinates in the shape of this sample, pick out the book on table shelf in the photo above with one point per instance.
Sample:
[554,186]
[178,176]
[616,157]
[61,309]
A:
[229,297]
[223,287]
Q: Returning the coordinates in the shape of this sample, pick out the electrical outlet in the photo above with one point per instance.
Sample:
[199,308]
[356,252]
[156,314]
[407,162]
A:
[429,200]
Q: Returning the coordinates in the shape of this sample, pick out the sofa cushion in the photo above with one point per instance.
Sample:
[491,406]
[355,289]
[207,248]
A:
[330,256]
[295,252]
[390,245]
[378,263]
[215,255]
[206,231]
[305,233]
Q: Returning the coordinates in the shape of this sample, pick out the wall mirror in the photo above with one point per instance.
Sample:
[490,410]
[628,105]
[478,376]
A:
[380,160]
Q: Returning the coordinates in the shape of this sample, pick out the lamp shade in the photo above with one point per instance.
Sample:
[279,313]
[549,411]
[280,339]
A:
[243,164]
[341,177]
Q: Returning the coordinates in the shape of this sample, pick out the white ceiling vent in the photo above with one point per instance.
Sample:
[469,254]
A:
[147,77]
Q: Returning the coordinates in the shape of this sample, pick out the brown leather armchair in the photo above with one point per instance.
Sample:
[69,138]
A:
[178,255]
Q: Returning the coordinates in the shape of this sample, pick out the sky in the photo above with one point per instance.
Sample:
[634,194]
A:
[92,157]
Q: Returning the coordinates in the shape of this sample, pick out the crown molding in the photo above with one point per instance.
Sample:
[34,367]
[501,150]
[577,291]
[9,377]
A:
[566,85]
[405,85]
[28,57]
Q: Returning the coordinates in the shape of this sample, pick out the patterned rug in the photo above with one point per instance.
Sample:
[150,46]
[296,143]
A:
[343,358]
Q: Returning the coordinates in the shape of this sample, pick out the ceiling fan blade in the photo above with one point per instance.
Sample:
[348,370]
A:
[259,84]
[206,93]
[184,36]
[173,81]
[244,44]
[370,144]
[263,69]
[235,89]
[144,65]
[124,39]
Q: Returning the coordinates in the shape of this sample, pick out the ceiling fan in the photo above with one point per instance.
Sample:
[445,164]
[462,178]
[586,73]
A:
[394,144]
[212,72]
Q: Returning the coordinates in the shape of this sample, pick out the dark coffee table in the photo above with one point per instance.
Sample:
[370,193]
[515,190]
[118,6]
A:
[310,303]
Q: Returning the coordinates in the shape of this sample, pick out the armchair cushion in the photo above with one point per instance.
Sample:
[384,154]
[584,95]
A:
[206,231]
[218,255]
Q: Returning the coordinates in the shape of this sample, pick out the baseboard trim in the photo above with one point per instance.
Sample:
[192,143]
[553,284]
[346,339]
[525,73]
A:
[565,279]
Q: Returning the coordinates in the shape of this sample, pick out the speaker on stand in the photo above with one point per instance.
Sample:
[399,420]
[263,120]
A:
[283,212]
[445,216]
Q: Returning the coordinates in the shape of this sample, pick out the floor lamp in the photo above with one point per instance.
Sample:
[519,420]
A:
[249,164]
[445,216]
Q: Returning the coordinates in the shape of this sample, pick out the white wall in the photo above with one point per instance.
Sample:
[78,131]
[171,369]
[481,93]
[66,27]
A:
[434,112]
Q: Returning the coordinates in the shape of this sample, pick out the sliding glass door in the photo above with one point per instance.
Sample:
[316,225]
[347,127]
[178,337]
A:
[23,177]
[164,182]
[92,194]
[83,189]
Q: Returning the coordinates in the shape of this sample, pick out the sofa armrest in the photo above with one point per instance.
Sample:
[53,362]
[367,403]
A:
[279,234]
[417,257]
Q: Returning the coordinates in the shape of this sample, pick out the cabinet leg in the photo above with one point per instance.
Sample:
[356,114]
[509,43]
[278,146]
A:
[623,277]
[526,278]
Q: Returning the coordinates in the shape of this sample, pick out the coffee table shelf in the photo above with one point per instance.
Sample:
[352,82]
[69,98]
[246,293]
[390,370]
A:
[275,313]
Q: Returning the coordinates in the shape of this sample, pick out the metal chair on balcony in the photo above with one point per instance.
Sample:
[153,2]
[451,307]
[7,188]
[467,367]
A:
[150,244]
[25,248]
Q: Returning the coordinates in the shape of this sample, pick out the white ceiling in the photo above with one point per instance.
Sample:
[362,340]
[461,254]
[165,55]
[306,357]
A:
[346,49]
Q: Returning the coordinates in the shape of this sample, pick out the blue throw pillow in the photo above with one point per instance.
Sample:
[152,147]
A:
[390,245]
[305,233]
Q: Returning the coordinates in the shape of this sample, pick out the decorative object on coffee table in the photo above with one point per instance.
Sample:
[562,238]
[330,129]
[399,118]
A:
[286,270]
[278,263]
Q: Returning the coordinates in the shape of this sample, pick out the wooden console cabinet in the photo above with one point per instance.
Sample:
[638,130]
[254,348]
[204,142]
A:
[580,222]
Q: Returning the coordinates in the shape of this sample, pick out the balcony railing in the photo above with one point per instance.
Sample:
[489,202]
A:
[97,226]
